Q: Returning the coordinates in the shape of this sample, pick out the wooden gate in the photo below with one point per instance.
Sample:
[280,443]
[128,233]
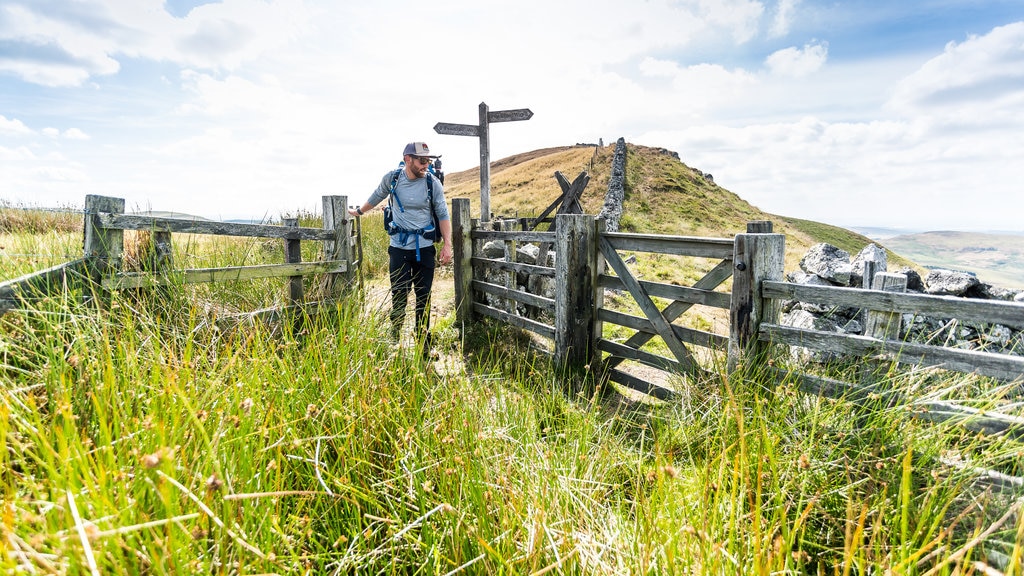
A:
[658,322]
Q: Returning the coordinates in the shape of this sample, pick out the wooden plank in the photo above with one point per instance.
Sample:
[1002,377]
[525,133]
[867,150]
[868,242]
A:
[643,325]
[643,300]
[517,321]
[226,274]
[974,419]
[517,235]
[293,255]
[756,258]
[546,304]
[883,325]
[515,115]
[576,292]
[449,129]
[966,309]
[136,222]
[42,283]
[999,366]
[515,266]
[717,248]
[634,383]
[672,292]
[462,251]
[628,353]
[720,273]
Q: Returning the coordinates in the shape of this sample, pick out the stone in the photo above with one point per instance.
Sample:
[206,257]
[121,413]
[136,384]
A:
[828,262]
[949,282]
[870,253]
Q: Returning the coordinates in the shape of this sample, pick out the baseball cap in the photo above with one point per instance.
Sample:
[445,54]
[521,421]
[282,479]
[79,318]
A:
[418,149]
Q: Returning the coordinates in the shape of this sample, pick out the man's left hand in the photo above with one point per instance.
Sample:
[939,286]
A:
[446,253]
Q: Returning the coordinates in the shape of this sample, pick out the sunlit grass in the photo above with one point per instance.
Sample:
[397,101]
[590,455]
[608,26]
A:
[167,432]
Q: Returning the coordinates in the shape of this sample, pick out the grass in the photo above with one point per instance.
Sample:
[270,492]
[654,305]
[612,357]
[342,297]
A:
[159,435]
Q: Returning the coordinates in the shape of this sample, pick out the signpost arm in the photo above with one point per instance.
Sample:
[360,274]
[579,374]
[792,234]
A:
[485,165]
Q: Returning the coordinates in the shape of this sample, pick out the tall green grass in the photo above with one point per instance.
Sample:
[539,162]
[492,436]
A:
[161,434]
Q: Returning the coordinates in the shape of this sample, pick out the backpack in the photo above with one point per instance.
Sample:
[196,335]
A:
[432,232]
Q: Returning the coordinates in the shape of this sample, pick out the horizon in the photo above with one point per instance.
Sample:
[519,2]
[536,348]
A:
[245,108]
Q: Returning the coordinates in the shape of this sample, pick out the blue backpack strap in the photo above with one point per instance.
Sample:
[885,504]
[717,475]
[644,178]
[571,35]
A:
[403,234]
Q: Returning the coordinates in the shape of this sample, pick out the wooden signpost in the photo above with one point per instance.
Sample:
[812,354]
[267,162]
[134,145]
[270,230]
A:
[482,131]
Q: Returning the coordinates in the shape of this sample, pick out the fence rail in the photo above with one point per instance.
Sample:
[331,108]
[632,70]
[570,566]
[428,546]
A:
[754,261]
[103,247]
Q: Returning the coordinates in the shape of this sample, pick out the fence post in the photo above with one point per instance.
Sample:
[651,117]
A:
[336,219]
[885,325]
[161,258]
[462,253]
[102,247]
[293,255]
[575,289]
[756,257]
[508,225]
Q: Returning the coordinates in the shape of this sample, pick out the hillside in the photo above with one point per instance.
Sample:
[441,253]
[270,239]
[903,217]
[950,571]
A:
[663,195]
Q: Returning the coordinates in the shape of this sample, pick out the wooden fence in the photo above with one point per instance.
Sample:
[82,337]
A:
[103,247]
[754,260]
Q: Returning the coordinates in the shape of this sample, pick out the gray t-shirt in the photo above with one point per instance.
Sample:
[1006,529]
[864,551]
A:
[413,197]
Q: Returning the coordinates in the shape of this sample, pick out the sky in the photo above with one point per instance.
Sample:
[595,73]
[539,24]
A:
[905,114]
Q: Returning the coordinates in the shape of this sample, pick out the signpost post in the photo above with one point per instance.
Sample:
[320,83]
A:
[482,131]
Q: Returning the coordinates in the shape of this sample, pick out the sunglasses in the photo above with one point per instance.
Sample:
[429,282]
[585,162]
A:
[422,160]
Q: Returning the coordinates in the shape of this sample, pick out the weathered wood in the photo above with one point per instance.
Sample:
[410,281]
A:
[998,366]
[225,274]
[643,300]
[513,266]
[293,255]
[672,292]
[14,293]
[756,258]
[973,419]
[966,309]
[628,353]
[533,236]
[885,325]
[720,273]
[759,227]
[575,276]
[546,304]
[518,321]
[485,164]
[634,383]
[717,248]
[116,221]
[510,256]
[161,257]
[103,248]
[570,199]
[336,220]
[462,254]
[682,333]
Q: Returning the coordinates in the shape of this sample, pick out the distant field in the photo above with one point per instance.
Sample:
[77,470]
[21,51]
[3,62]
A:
[997,259]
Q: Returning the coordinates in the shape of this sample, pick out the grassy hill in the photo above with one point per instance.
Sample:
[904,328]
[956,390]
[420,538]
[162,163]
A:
[663,196]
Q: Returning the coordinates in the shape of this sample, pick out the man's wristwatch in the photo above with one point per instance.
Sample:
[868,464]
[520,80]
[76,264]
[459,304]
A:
[359,210]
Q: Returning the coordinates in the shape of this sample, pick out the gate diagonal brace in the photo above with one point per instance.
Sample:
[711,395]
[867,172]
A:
[643,299]
[710,281]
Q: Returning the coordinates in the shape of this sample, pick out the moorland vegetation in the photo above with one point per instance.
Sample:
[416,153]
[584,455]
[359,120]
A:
[168,433]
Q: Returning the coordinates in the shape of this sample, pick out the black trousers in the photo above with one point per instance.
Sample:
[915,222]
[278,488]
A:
[407,274]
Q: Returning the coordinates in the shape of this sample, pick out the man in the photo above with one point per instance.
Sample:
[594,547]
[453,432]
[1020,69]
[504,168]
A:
[411,253]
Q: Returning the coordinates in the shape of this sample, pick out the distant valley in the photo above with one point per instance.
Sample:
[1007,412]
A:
[996,259]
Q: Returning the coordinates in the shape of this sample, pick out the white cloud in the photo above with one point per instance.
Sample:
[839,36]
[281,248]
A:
[13,127]
[982,71]
[783,18]
[796,62]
